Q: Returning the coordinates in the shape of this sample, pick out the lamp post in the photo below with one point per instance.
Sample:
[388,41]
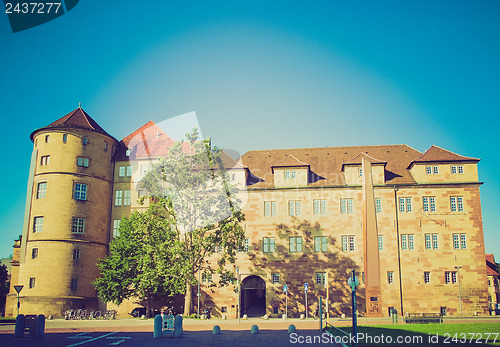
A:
[459,295]
[199,280]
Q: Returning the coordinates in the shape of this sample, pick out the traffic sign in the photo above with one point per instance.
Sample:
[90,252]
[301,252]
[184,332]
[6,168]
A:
[306,287]
[18,288]
[353,284]
[285,288]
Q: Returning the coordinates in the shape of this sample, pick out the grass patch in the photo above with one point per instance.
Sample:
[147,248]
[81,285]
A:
[428,334]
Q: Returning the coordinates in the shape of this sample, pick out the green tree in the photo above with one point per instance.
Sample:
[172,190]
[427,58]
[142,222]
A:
[203,208]
[194,214]
[4,285]
[143,259]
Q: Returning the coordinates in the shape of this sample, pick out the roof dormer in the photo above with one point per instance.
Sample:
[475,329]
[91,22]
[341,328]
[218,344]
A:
[438,165]
[290,172]
[353,171]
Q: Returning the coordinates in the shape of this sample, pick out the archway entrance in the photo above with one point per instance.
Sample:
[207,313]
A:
[253,296]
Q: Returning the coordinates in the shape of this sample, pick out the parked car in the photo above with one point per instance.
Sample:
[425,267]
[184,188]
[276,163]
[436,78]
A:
[141,311]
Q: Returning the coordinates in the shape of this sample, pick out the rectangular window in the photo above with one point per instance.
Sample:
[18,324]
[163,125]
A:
[346,206]
[268,244]
[295,244]
[431,241]
[457,169]
[44,160]
[378,205]
[435,170]
[126,197]
[407,241]
[287,174]
[37,224]
[275,277]
[459,241]
[405,204]
[434,241]
[428,170]
[78,225]
[65,138]
[82,161]
[129,171]
[390,277]
[321,278]
[269,208]
[246,245]
[319,206]
[450,277]
[76,254]
[85,141]
[456,203]
[360,172]
[121,171]
[118,197]
[41,191]
[294,208]
[427,277]
[429,203]
[293,174]
[116,227]
[320,244]
[380,242]
[32,282]
[80,191]
[34,253]
[74,283]
[348,243]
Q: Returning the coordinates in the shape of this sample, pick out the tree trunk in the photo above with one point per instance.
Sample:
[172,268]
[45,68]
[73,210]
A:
[188,299]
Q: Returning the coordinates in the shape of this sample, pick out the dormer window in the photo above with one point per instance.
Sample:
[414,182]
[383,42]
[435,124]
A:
[457,169]
[432,170]
[127,152]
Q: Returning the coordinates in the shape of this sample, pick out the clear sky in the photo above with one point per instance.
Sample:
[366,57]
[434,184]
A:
[261,75]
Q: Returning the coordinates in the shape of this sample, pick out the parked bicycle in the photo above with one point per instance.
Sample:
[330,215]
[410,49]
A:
[94,314]
[316,313]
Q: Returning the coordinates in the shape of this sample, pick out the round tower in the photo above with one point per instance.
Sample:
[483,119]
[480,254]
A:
[67,215]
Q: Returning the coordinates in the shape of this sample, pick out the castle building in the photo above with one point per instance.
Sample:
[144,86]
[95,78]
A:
[408,223]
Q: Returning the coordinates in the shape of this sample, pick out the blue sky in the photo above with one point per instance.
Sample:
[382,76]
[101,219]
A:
[260,75]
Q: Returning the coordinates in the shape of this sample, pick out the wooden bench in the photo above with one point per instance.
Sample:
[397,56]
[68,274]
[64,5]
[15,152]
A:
[423,318]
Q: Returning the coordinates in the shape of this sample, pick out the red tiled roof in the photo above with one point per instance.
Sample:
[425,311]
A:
[77,118]
[357,160]
[438,154]
[290,161]
[326,163]
[491,266]
[147,142]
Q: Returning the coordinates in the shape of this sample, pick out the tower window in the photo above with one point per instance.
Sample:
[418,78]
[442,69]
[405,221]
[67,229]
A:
[44,160]
[37,224]
[65,138]
[85,141]
[32,282]
[78,225]
[34,253]
[80,191]
[46,138]
[41,190]
[82,161]
[74,283]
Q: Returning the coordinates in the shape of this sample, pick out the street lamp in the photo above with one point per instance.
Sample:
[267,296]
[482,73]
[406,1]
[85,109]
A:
[459,296]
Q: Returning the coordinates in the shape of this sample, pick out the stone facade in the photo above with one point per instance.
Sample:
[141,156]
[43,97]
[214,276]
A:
[306,221]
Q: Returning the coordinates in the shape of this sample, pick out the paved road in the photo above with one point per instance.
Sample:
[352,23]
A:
[276,338]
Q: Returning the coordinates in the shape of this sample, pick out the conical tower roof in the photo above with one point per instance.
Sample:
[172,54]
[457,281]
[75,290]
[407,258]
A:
[76,119]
